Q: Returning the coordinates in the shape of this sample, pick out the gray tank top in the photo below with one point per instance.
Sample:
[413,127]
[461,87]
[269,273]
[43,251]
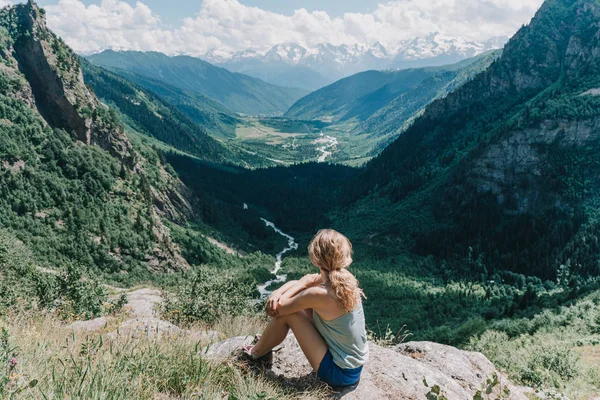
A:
[346,337]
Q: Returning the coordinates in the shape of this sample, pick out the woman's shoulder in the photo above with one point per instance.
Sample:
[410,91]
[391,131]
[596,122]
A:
[316,291]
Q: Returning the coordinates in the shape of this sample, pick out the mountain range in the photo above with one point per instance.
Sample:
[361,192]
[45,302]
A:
[290,64]
[238,92]
[377,106]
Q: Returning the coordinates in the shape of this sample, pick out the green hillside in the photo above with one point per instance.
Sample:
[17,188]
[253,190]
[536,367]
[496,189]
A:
[150,115]
[218,120]
[74,190]
[360,96]
[506,164]
[393,118]
[331,102]
[238,92]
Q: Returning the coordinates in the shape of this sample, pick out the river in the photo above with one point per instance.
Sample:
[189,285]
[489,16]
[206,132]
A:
[279,278]
[328,144]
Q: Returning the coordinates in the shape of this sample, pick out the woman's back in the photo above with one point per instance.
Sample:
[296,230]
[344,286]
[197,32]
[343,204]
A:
[346,337]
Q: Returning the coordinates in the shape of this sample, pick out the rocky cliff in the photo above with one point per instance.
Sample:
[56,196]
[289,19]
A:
[54,78]
[416,370]
[38,69]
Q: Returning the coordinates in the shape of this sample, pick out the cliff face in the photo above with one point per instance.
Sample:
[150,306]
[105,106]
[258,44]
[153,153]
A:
[40,70]
[532,60]
[55,80]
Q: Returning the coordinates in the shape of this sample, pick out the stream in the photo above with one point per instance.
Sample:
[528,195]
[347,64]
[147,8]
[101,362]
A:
[292,245]
[327,144]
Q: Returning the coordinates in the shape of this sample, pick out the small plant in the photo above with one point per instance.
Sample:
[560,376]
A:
[79,297]
[11,382]
[388,338]
[488,390]
[115,306]
[206,297]
[435,392]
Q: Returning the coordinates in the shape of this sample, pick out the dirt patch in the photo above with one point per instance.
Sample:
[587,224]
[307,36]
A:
[590,354]
[417,355]
[15,167]
[221,246]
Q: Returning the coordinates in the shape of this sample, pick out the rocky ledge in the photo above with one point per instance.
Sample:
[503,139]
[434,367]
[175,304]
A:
[415,370]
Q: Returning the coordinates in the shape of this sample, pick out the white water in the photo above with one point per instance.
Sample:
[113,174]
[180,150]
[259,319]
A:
[328,145]
[292,245]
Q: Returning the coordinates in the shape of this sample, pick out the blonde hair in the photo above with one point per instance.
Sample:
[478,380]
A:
[332,252]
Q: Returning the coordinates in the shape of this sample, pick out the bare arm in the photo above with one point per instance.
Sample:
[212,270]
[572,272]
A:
[306,282]
[306,299]
[290,290]
[285,287]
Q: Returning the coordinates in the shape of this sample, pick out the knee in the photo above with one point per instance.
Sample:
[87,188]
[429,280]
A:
[289,317]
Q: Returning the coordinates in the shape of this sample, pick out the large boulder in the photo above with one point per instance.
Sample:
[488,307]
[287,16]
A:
[415,370]
[91,325]
[156,328]
[142,302]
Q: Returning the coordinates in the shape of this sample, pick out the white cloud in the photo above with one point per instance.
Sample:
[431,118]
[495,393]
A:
[228,25]
[4,3]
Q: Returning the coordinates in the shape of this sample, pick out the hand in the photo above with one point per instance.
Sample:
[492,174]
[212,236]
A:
[272,304]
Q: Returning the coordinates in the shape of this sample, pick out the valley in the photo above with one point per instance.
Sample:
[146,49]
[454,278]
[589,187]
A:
[469,191]
[284,141]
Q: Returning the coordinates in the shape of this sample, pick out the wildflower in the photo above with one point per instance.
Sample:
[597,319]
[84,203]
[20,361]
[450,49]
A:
[13,362]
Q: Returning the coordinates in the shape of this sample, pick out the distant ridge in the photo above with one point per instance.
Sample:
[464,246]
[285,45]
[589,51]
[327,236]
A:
[240,93]
[291,64]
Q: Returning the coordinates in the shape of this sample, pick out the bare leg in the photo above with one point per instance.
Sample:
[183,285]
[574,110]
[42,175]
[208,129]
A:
[311,342]
[272,336]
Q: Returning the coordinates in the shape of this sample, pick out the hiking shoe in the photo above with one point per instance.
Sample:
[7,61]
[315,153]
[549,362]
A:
[264,362]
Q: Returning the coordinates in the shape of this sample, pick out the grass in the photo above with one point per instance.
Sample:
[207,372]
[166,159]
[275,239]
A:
[289,142]
[564,354]
[52,362]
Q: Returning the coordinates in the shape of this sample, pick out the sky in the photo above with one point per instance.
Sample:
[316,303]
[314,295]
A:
[184,8]
[224,26]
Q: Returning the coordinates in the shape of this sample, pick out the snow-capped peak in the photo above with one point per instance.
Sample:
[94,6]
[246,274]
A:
[288,52]
[336,61]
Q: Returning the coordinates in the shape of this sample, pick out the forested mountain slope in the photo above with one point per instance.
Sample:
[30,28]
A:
[238,92]
[72,187]
[363,96]
[392,119]
[508,164]
[334,102]
[150,115]
[214,117]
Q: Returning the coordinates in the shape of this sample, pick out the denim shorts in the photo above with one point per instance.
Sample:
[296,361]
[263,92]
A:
[336,376]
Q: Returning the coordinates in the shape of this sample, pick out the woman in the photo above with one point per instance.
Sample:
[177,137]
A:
[325,313]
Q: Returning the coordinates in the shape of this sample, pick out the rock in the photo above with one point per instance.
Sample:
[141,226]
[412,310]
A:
[407,371]
[223,350]
[148,327]
[203,336]
[141,302]
[90,326]
[155,328]
[551,394]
